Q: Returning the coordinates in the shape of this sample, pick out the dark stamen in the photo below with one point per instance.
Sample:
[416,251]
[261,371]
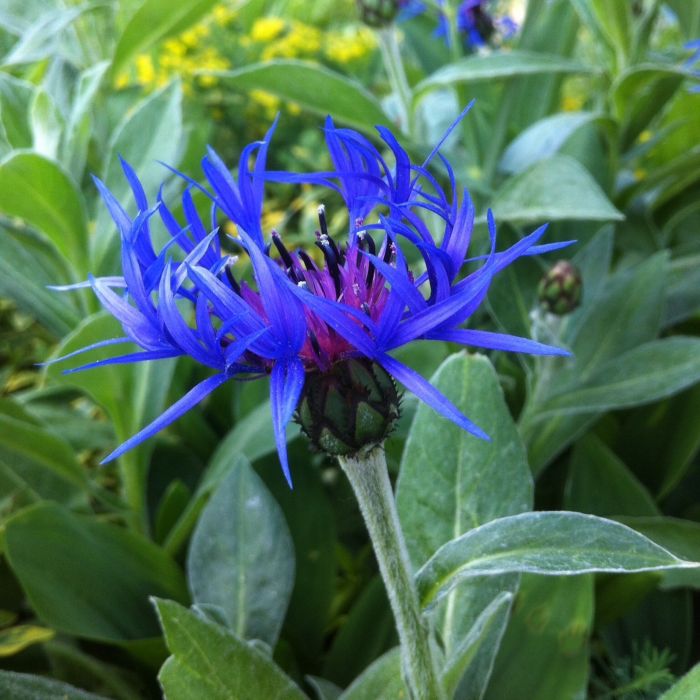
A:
[286,257]
[324,232]
[331,261]
[309,264]
[365,307]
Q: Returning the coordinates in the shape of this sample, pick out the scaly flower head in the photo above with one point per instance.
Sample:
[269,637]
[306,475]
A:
[296,317]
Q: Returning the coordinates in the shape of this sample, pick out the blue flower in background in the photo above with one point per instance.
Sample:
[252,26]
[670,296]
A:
[298,314]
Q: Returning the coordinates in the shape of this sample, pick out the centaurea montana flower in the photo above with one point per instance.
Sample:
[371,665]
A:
[298,316]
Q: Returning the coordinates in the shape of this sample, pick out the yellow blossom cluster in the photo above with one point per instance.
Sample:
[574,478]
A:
[293,39]
[185,56]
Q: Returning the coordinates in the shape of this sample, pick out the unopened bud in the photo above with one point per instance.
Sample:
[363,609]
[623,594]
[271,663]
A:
[351,407]
[560,289]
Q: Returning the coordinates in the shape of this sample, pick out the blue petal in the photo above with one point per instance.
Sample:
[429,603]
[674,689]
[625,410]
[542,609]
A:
[496,341]
[427,393]
[143,356]
[286,384]
[194,396]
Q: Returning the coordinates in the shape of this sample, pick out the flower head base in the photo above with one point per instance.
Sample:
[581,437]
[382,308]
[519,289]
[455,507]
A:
[379,13]
[560,289]
[296,320]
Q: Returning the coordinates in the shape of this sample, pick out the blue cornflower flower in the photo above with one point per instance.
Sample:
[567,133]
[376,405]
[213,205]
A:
[474,23]
[297,316]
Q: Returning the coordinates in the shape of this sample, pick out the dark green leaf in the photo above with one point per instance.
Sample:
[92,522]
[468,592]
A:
[88,595]
[210,662]
[381,681]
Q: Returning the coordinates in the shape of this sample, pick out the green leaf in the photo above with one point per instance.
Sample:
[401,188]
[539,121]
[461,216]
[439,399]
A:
[36,463]
[615,20]
[47,124]
[27,265]
[686,688]
[24,686]
[15,98]
[599,483]
[554,189]
[497,65]
[241,557]
[451,482]
[648,373]
[210,662]
[553,543]
[152,132]
[543,139]
[381,681]
[37,190]
[88,595]
[153,21]
[325,690]
[467,672]
[315,88]
[545,650]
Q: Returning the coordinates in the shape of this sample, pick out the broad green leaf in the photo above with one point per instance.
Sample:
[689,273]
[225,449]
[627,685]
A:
[15,98]
[27,265]
[381,681]
[688,20]
[498,65]
[241,558]
[553,543]
[152,132]
[37,190]
[16,639]
[687,688]
[599,483]
[558,188]
[682,537]
[543,139]
[316,88]
[88,595]
[544,654]
[208,661]
[153,21]
[478,480]
[648,373]
[24,686]
[47,124]
[467,672]
[36,464]
[451,482]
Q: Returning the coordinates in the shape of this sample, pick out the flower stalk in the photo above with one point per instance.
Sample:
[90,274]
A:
[393,63]
[369,478]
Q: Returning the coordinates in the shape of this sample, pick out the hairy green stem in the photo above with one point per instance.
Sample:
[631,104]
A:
[391,57]
[369,479]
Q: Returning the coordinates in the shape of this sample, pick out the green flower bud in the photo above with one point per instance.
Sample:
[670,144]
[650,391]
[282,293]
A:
[378,13]
[560,289]
[351,407]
